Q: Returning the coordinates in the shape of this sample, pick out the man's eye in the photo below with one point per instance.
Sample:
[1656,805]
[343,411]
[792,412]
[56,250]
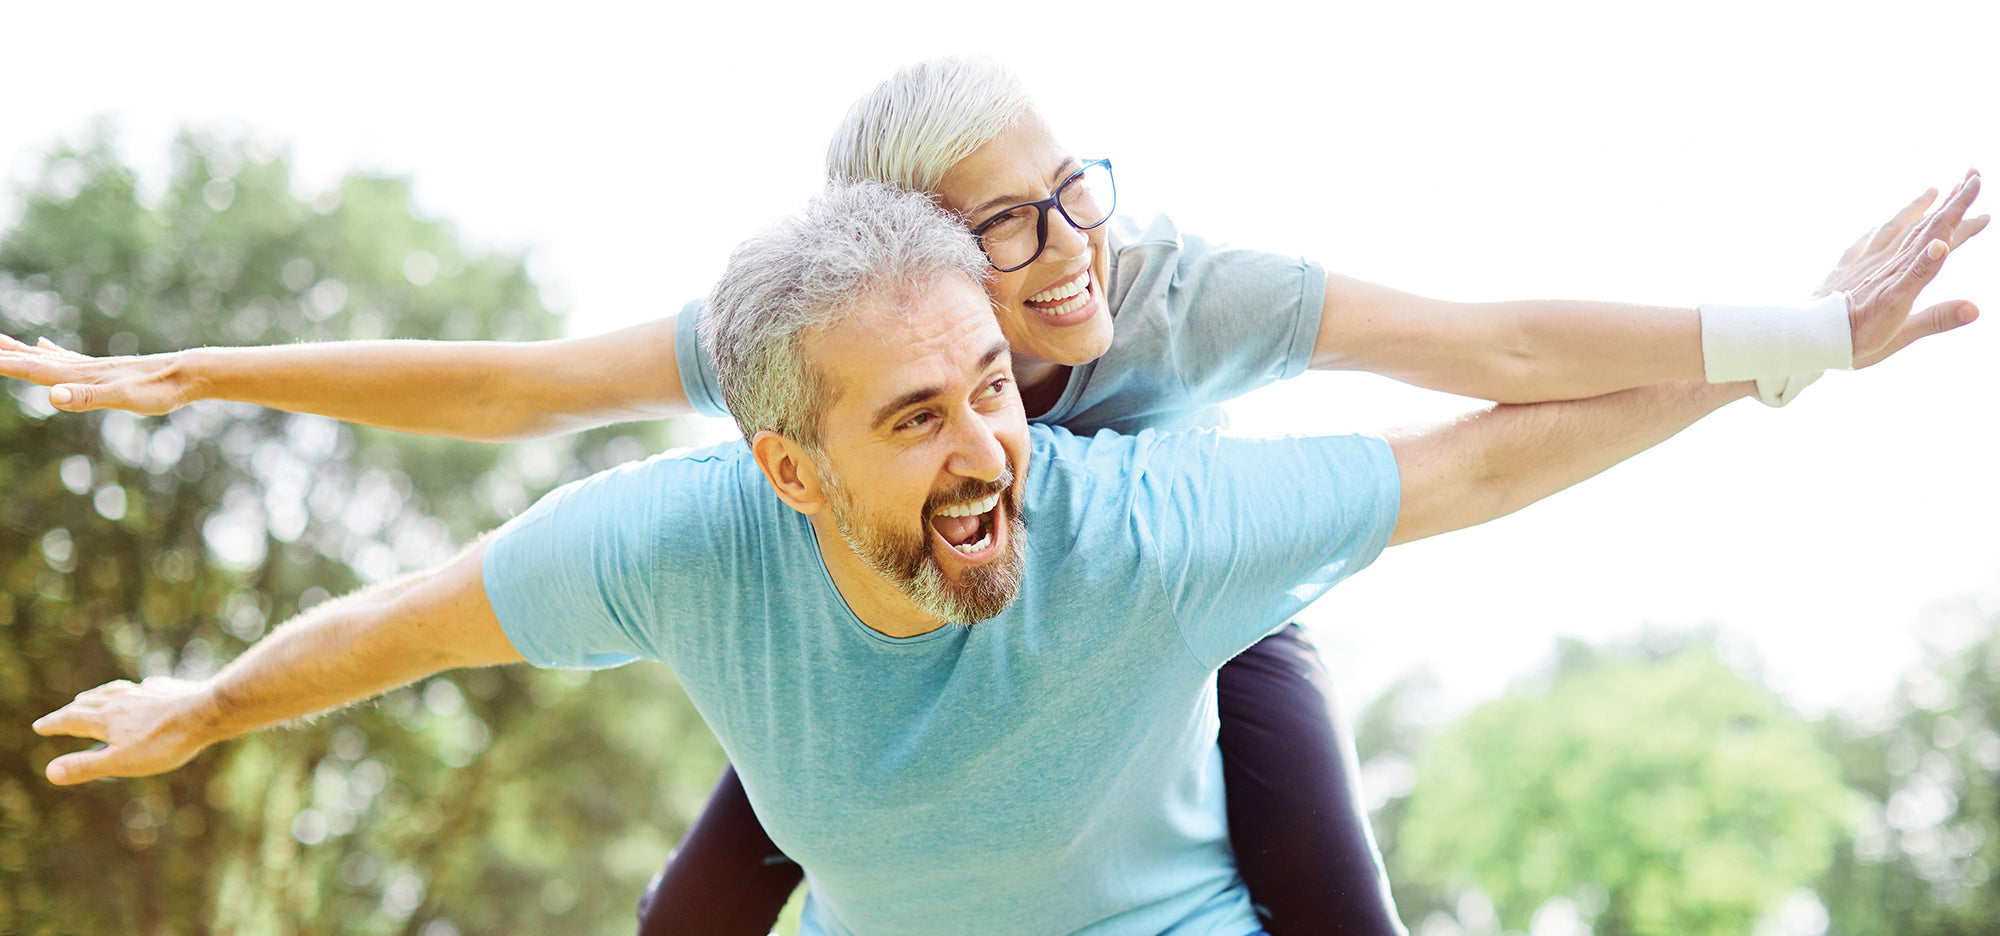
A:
[918,421]
[994,389]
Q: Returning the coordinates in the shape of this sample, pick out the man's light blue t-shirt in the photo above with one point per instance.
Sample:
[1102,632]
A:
[1052,770]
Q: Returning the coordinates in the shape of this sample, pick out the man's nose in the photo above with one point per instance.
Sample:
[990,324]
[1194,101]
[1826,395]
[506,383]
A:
[977,452]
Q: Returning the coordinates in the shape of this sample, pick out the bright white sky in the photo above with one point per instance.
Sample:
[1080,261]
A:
[1689,151]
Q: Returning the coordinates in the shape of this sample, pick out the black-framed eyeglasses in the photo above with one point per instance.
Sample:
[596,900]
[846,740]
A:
[1013,238]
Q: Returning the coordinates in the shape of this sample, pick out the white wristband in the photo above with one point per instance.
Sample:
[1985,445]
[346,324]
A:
[1778,391]
[1768,342]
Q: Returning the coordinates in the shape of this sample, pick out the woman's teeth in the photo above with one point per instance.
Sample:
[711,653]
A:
[1070,297]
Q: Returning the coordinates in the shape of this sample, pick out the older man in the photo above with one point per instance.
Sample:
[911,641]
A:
[1051,767]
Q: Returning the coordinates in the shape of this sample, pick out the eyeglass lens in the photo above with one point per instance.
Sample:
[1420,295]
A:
[1014,238]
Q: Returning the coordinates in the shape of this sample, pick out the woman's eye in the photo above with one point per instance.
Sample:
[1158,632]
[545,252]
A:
[1000,224]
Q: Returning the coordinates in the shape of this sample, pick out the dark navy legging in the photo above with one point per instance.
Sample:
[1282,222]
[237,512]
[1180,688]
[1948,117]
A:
[1295,819]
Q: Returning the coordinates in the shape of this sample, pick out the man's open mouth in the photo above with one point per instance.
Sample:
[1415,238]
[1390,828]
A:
[968,527]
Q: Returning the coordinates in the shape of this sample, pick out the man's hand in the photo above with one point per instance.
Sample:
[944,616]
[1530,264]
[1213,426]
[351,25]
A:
[150,385]
[145,728]
[1884,270]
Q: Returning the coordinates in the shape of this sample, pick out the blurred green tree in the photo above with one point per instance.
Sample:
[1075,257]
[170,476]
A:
[1924,861]
[477,802]
[1647,791]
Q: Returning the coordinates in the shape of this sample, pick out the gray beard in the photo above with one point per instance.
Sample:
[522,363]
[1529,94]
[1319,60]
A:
[908,563]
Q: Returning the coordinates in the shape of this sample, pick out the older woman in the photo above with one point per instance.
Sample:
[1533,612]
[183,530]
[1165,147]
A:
[1125,326]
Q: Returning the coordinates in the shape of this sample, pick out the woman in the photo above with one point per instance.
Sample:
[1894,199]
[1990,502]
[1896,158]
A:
[1142,328]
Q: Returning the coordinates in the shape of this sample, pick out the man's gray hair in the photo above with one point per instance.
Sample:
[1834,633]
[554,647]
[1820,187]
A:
[915,126]
[803,276]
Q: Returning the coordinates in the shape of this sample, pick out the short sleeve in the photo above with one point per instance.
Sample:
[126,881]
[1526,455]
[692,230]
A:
[569,578]
[1198,324]
[698,381]
[1250,531]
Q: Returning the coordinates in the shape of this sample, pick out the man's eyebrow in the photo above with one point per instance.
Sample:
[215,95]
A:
[921,394]
[1063,169]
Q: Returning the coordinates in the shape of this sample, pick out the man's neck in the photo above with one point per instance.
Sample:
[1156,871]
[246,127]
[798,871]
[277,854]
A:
[880,605]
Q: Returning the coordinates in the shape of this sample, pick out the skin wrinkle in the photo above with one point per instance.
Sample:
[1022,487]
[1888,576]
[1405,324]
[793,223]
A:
[964,438]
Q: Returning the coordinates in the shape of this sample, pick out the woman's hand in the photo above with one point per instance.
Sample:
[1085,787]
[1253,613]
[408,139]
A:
[149,384]
[1882,273]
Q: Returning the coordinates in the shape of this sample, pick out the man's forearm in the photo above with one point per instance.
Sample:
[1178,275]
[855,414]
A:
[337,653]
[1491,463]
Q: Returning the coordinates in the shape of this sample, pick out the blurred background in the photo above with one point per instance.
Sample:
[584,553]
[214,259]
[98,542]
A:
[1743,683]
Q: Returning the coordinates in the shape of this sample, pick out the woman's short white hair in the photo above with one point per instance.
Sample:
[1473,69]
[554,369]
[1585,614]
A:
[915,126]
[805,275]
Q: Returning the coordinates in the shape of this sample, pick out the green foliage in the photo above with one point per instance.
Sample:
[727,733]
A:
[1660,791]
[501,800]
[1924,861]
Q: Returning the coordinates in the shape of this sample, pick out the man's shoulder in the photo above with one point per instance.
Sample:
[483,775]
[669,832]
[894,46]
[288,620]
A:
[1067,464]
[649,492]
[1129,459]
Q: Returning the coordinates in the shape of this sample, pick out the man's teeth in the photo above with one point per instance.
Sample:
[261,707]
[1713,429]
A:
[971,548]
[1072,297]
[973,509]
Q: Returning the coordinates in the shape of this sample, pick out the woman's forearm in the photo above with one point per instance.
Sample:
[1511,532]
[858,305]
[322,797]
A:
[1573,350]
[1509,352]
[483,391]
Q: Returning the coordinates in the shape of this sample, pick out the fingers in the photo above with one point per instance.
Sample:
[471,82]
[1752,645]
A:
[1919,272]
[10,343]
[83,767]
[1967,228]
[1943,223]
[74,398]
[1937,319]
[84,716]
[43,344]
[75,720]
[1886,234]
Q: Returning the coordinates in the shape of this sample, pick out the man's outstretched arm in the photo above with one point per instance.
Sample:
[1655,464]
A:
[339,652]
[1488,464]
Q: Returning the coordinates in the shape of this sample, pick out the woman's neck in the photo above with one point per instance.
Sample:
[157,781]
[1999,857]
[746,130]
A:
[1041,383]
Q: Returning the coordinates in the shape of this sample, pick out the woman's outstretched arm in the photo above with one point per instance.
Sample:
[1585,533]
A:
[1539,350]
[479,390]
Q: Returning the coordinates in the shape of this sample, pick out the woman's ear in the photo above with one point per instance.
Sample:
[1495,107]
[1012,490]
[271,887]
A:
[789,469]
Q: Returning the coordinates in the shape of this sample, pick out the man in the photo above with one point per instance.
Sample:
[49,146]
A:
[1050,768]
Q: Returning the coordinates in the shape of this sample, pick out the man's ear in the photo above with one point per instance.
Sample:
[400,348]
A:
[789,470]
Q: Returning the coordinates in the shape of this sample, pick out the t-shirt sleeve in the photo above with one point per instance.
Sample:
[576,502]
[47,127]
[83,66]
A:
[1247,317]
[1253,530]
[571,579]
[697,371]
[1198,324]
